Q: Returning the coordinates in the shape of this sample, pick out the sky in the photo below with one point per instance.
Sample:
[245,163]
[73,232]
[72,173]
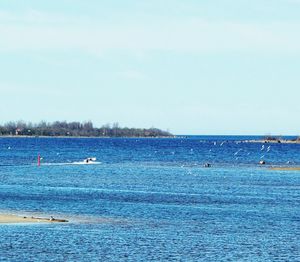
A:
[199,67]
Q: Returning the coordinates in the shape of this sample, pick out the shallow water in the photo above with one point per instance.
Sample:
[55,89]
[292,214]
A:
[150,199]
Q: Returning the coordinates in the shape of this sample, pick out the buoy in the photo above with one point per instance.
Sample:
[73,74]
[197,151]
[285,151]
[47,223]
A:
[39,160]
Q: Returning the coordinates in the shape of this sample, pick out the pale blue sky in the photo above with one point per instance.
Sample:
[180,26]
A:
[193,66]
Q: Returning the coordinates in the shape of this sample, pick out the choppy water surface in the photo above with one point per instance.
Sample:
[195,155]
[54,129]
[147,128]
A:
[150,199]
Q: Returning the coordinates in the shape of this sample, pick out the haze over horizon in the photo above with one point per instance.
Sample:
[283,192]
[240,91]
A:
[199,68]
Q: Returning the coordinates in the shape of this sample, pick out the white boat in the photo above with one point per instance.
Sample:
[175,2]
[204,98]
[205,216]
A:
[90,160]
[87,161]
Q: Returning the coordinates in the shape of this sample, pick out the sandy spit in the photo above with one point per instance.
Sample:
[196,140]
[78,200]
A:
[7,218]
[286,168]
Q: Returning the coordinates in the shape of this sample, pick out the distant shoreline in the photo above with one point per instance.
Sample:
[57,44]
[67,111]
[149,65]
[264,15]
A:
[134,137]
[262,141]
[76,129]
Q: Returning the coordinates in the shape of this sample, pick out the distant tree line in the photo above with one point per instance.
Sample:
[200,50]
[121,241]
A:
[85,129]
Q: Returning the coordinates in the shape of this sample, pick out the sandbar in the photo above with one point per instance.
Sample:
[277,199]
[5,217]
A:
[7,218]
[285,168]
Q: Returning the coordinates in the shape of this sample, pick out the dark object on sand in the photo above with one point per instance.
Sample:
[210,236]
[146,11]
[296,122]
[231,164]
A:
[59,220]
[52,219]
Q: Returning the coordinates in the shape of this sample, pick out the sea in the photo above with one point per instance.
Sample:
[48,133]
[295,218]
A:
[150,199]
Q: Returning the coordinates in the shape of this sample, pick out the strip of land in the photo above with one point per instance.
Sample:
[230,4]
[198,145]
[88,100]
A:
[6,218]
[286,168]
[282,141]
[76,129]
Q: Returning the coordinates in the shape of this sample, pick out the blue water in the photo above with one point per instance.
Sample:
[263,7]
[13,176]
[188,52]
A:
[150,200]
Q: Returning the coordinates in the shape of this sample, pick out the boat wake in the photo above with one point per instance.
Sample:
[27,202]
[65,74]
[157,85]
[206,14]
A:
[71,163]
[87,161]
